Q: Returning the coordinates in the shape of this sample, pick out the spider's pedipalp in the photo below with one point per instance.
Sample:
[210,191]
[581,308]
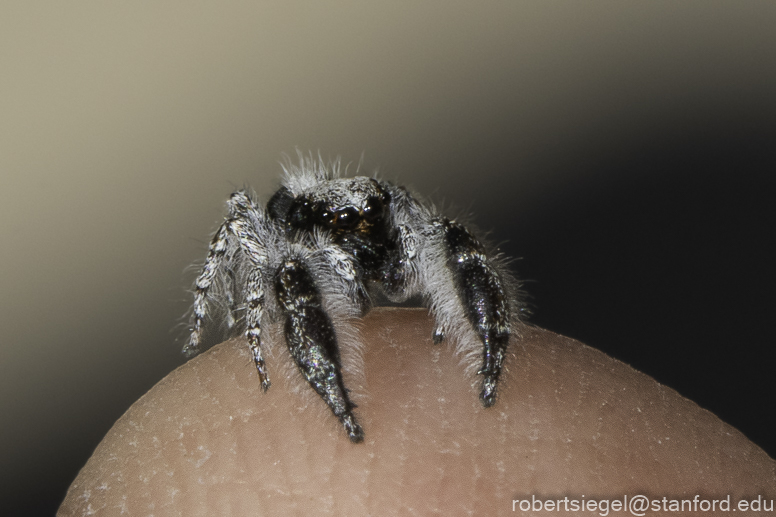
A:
[342,272]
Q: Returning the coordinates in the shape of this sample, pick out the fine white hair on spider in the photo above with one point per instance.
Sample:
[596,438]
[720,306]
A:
[318,253]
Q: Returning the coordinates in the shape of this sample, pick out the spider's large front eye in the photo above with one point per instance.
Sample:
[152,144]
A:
[373,209]
[345,219]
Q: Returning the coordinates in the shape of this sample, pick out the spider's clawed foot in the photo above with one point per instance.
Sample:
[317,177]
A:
[191,348]
[491,370]
[265,384]
[263,374]
[353,429]
[488,393]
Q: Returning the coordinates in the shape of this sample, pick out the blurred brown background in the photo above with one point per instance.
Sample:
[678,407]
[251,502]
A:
[624,150]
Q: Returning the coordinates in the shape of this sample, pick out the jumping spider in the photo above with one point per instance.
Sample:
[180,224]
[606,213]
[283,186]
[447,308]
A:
[322,248]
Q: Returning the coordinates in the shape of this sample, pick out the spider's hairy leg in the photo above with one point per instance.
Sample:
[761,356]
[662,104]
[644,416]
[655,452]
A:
[245,217]
[256,254]
[230,290]
[240,205]
[312,341]
[215,256]
[255,301]
[484,299]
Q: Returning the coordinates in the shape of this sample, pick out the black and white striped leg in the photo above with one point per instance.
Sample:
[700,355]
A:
[484,301]
[231,288]
[255,302]
[240,205]
[312,341]
[215,256]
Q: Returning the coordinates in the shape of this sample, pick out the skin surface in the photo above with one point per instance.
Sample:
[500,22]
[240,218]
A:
[569,422]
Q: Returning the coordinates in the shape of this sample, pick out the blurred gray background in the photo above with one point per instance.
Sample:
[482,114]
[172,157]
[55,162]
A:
[624,150]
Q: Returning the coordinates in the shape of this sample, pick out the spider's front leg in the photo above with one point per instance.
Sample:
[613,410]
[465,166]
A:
[312,341]
[485,301]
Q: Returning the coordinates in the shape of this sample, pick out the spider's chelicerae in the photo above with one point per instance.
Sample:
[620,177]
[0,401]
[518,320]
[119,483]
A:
[320,250]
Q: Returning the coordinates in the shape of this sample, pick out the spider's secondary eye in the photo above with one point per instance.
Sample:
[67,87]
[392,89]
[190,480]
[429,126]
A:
[346,219]
[373,209]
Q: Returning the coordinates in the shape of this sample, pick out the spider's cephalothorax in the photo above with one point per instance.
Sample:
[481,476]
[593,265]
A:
[320,249]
